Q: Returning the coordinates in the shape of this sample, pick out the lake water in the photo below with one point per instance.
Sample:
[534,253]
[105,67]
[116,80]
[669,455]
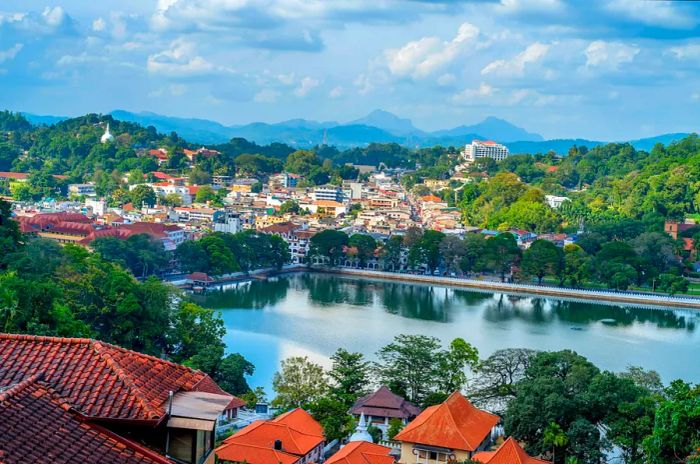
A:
[315,314]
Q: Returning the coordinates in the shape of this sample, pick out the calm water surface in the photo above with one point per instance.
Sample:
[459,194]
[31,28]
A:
[314,314]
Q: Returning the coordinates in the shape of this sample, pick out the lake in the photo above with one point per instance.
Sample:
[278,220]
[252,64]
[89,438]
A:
[314,314]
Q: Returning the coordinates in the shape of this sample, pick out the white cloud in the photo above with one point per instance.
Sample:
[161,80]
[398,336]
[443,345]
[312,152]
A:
[695,96]
[336,92]
[423,57]
[609,55]
[686,52]
[306,85]
[286,79]
[446,79]
[364,84]
[516,65]
[521,6]
[470,95]
[266,96]
[179,60]
[664,14]
[10,53]
[99,25]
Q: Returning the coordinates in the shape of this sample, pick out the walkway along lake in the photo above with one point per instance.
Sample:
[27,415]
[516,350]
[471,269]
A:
[314,314]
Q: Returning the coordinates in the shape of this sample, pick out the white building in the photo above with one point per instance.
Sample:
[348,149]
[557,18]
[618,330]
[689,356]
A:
[484,149]
[328,193]
[229,222]
[555,201]
[107,136]
[82,189]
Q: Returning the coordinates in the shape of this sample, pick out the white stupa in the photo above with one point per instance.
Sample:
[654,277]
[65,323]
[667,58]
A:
[107,136]
[361,433]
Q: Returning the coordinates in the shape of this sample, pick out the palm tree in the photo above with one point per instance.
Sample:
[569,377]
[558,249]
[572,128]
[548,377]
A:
[555,437]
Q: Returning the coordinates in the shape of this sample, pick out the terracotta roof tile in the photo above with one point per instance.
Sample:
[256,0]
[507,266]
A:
[454,424]
[98,379]
[41,428]
[384,403]
[362,452]
[510,452]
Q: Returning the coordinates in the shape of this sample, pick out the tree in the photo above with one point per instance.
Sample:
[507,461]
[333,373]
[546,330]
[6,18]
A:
[407,365]
[555,389]
[365,246]
[391,253]
[253,397]
[426,251]
[497,376]
[171,199]
[672,284]
[10,236]
[555,437]
[192,256]
[675,435]
[395,426]
[143,195]
[332,414]
[289,206]
[453,364]
[205,194]
[328,244]
[453,250]
[350,376]
[542,258]
[576,265]
[298,383]
[501,253]
[231,373]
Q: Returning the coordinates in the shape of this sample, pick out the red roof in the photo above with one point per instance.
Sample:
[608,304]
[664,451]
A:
[298,432]
[37,426]
[385,403]
[161,175]
[510,452]
[362,452]
[14,175]
[98,379]
[455,424]
[280,228]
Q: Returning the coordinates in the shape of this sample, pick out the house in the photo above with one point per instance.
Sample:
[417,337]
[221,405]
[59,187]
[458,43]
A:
[362,452]
[292,438]
[451,431]
[77,400]
[510,452]
[674,228]
[382,406]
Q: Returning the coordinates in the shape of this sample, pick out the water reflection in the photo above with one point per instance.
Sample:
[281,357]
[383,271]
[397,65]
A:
[438,304]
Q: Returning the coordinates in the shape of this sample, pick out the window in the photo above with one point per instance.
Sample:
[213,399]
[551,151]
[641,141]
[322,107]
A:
[433,456]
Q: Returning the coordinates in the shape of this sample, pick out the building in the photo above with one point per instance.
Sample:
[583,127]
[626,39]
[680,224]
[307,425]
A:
[76,401]
[674,228]
[484,149]
[362,452]
[107,136]
[382,406]
[510,452]
[229,222]
[292,438]
[328,193]
[555,201]
[451,431]
[82,189]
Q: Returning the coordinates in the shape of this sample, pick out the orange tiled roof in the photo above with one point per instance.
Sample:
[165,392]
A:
[510,452]
[362,452]
[296,429]
[252,454]
[37,426]
[98,379]
[431,199]
[455,424]
[328,203]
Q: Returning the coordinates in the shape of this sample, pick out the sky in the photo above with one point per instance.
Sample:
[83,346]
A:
[597,69]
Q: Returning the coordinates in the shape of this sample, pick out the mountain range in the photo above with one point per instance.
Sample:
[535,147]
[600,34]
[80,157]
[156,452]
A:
[377,126]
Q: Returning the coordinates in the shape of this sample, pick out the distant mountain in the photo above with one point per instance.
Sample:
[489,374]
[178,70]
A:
[192,129]
[388,122]
[377,126]
[43,120]
[561,146]
[493,128]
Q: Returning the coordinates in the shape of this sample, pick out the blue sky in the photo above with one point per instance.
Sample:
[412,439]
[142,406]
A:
[607,69]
